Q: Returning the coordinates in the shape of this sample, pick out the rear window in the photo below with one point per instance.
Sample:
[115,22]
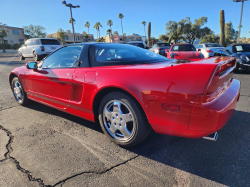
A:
[49,42]
[137,44]
[163,44]
[183,48]
[241,48]
[213,45]
[120,54]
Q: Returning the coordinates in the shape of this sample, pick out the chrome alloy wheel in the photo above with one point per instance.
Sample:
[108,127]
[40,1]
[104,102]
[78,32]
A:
[18,91]
[118,120]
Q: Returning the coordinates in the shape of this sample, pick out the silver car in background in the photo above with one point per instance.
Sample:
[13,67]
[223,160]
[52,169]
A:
[38,48]
[208,49]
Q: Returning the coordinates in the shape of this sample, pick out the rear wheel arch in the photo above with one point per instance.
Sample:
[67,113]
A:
[100,95]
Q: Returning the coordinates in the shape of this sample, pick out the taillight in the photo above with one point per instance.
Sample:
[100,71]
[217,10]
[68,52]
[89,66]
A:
[209,51]
[224,67]
[42,48]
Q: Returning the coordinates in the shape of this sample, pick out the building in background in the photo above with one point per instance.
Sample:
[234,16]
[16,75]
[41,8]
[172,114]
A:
[15,36]
[126,38]
[79,37]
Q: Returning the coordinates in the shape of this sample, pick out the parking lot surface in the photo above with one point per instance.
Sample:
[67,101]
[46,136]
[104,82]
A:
[41,146]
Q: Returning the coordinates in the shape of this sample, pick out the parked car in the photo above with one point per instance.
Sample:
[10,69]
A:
[38,48]
[242,53]
[159,48]
[184,52]
[221,53]
[130,90]
[138,44]
[207,49]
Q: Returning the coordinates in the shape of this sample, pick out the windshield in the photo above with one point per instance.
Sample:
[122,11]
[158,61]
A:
[183,48]
[49,42]
[120,54]
[241,48]
[137,44]
[163,44]
[213,45]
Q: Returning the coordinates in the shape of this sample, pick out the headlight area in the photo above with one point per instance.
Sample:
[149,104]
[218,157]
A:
[244,58]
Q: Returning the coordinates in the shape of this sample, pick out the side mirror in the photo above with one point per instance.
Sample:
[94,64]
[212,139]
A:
[31,65]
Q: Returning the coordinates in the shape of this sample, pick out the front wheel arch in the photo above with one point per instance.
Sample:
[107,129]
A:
[100,95]
[11,77]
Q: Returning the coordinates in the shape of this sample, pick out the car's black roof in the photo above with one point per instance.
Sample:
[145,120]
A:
[135,42]
[239,44]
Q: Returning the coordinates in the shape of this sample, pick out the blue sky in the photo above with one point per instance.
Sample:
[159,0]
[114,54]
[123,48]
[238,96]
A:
[52,14]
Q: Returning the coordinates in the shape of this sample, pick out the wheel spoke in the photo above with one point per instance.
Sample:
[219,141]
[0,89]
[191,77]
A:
[16,84]
[125,132]
[127,117]
[108,114]
[117,107]
[112,128]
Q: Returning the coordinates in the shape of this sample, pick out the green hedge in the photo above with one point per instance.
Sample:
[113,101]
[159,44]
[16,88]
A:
[6,46]
[16,46]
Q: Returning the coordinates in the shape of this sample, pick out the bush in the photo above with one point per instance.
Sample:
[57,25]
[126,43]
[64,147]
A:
[6,46]
[16,46]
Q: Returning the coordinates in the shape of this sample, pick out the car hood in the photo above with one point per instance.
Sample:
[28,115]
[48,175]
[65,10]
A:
[186,54]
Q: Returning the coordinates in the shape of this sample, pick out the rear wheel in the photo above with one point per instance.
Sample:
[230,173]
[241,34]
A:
[36,56]
[21,57]
[122,119]
[18,91]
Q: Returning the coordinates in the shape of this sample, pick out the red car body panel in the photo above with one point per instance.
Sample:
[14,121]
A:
[184,55]
[205,101]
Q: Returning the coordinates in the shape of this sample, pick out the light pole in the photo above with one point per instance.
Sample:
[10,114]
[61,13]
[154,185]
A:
[71,6]
[238,39]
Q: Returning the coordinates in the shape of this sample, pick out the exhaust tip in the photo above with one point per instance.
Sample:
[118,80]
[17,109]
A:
[212,137]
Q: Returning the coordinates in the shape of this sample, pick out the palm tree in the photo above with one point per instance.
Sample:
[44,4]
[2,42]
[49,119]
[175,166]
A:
[87,24]
[116,33]
[121,16]
[110,23]
[109,32]
[97,27]
[144,24]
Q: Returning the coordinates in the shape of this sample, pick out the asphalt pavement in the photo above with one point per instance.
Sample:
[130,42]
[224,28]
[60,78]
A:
[41,146]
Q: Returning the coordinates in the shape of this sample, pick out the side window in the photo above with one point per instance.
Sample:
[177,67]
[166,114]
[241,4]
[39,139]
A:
[37,42]
[66,57]
[32,42]
[199,46]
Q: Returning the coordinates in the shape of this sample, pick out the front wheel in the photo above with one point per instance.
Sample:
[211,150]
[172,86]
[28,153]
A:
[18,91]
[123,120]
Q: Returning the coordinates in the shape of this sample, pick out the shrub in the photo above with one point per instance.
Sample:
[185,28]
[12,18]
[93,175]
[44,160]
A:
[6,46]
[16,46]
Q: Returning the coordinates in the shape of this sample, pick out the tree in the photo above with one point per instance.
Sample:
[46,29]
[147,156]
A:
[61,35]
[210,38]
[34,31]
[173,31]
[101,39]
[149,34]
[97,27]
[144,24]
[87,24]
[110,23]
[109,32]
[194,30]
[3,34]
[121,16]
[230,34]
[115,32]
[86,36]
[164,38]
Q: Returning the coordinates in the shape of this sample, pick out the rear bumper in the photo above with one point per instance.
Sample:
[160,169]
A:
[207,117]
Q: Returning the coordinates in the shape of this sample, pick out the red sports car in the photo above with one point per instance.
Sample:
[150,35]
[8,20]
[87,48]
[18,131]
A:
[184,52]
[130,90]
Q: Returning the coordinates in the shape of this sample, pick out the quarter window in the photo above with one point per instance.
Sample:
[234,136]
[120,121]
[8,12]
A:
[66,57]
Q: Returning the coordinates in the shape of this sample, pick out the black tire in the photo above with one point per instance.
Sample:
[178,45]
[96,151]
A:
[22,100]
[21,57]
[140,128]
[36,56]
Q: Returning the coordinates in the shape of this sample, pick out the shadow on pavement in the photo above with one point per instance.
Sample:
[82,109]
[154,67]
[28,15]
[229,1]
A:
[225,161]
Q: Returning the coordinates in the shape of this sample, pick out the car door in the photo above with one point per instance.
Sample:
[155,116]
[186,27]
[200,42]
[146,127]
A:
[51,83]
[24,50]
[30,47]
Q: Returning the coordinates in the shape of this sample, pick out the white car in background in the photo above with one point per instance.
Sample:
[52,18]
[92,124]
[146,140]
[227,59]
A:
[38,48]
[207,49]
